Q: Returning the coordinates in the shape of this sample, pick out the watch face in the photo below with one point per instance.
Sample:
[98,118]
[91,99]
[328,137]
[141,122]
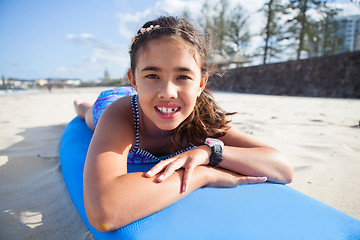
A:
[213,141]
[217,149]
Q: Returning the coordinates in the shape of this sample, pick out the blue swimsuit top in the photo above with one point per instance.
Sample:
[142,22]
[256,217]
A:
[137,155]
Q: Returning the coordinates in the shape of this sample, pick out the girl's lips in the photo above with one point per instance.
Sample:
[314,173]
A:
[167,111]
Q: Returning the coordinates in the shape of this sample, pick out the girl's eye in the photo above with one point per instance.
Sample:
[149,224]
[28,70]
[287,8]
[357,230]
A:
[152,76]
[183,77]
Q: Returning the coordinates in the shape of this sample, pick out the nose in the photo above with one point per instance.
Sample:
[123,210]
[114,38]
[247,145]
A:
[167,90]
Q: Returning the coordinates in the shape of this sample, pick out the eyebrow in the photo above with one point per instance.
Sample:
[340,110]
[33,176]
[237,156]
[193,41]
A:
[183,69]
[157,69]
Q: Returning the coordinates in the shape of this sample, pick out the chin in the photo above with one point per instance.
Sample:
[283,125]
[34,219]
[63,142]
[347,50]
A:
[169,126]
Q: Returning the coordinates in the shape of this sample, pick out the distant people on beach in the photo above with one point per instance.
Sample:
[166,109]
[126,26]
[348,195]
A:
[49,87]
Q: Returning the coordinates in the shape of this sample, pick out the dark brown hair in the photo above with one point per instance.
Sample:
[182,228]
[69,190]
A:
[207,119]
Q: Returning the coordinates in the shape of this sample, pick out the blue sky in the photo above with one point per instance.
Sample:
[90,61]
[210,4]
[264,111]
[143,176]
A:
[80,38]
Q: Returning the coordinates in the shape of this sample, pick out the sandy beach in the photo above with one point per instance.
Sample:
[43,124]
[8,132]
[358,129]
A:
[319,136]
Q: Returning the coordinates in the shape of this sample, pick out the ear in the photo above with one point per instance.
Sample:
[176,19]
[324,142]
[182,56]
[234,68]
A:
[203,83]
[131,78]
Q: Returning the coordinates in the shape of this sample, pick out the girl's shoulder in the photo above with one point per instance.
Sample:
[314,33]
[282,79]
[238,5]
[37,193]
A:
[121,109]
[118,116]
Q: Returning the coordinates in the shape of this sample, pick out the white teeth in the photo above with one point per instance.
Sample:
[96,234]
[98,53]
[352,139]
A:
[165,110]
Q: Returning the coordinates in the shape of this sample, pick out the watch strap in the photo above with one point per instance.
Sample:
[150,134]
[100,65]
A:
[216,151]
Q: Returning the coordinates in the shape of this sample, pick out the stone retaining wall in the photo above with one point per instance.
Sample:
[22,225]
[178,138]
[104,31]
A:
[336,76]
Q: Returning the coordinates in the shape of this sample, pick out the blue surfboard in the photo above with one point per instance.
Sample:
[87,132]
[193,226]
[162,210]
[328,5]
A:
[257,211]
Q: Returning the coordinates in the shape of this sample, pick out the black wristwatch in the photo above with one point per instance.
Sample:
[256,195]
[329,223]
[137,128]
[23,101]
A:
[217,148]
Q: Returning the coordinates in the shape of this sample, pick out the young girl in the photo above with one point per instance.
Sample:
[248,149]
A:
[171,120]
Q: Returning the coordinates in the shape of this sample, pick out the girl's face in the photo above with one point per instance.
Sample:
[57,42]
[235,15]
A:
[168,81]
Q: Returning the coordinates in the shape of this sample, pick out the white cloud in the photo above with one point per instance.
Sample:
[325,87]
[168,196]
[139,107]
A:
[346,9]
[176,7]
[90,40]
[81,36]
[103,54]
[129,23]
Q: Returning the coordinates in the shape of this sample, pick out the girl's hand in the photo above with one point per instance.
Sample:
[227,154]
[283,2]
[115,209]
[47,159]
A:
[219,177]
[187,160]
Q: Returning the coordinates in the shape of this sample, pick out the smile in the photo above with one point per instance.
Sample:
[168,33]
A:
[166,110]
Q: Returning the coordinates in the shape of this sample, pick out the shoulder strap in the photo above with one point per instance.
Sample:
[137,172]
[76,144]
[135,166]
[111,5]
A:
[135,109]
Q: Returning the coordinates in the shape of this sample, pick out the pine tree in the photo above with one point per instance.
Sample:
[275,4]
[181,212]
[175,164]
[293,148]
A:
[301,25]
[237,33]
[219,26]
[331,40]
[206,24]
[326,39]
[272,31]
[226,27]
[186,14]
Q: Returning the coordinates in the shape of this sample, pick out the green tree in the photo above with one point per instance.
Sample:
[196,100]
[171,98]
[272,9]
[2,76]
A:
[186,14]
[219,25]
[237,34]
[301,26]
[331,40]
[326,38]
[226,27]
[206,23]
[272,32]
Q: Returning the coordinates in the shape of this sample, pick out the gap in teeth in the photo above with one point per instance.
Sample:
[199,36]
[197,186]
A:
[167,110]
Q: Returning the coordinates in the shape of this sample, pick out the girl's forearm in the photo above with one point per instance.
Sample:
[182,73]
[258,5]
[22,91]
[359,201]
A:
[257,161]
[133,196]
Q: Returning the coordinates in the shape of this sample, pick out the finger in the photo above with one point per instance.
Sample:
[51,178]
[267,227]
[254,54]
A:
[169,170]
[249,180]
[158,168]
[189,169]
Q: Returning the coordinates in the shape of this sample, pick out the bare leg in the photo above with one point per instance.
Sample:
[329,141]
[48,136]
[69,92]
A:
[85,111]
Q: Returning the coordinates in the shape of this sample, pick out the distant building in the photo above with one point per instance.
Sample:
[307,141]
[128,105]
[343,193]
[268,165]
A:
[15,83]
[343,36]
[107,78]
[349,29]
[60,83]
[356,2]
[73,82]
